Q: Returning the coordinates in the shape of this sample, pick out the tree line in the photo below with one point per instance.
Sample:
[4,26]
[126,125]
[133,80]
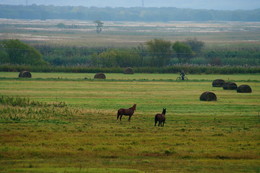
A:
[125,14]
[153,53]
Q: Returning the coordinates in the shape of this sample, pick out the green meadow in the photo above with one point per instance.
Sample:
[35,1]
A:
[66,122]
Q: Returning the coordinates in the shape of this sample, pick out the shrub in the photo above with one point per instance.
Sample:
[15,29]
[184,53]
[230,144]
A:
[183,51]
[21,53]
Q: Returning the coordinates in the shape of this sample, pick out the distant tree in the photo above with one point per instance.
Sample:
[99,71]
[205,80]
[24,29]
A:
[61,25]
[4,57]
[116,58]
[195,45]
[99,26]
[142,52]
[183,51]
[21,53]
[161,50]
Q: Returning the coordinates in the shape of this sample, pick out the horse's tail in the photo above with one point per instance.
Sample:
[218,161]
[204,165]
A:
[156,118]
[118,113]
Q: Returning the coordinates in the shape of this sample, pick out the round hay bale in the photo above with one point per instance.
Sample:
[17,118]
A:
[129,70]
[208,96]
[25,74]
[100,76]
[230,86]
[218,83]
[244,89]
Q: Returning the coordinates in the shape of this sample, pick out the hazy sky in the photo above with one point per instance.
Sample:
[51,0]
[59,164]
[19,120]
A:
[196,4]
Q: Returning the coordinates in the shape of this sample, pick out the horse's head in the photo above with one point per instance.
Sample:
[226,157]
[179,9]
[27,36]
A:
[134,107]
[164,111]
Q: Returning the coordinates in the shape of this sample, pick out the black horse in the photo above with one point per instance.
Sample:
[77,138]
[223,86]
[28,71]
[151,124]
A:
[128,112]
[160,118]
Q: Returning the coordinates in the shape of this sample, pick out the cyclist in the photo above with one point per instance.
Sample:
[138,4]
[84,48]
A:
[182,74]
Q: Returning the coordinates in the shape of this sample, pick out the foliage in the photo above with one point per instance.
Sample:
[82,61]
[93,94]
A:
[116,58]
[156,53]
[61,25]
[195,45]
[17,52]
[183,51]
[161,50]
[233,56]
[192,69]
[4,57]
[64,55]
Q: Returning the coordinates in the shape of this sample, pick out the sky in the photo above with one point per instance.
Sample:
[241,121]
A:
[194,4]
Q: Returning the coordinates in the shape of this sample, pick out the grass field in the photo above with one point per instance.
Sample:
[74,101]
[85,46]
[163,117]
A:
[84,135]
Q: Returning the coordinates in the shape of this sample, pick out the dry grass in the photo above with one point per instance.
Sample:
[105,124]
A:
[128,34]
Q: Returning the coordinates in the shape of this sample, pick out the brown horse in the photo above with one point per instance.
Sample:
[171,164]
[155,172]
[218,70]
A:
[160,118]
[128,112]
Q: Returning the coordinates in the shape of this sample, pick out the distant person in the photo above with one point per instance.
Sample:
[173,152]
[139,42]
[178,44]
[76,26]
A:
[182,74]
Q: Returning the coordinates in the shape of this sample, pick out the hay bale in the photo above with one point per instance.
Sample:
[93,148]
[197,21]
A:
[218,83]
[244,89]
[100,76]
[25,74]
[230,86]
[129,70]
[208,96]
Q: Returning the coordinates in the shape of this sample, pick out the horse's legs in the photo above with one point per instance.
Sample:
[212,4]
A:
[117,116]
[155,122]
[121,117]
[129,118]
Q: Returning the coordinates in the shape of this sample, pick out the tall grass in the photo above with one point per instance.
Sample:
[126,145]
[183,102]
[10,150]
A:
[18,108]
[25,102]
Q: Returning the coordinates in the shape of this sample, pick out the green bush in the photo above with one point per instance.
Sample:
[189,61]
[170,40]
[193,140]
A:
[116,58]
[17,52]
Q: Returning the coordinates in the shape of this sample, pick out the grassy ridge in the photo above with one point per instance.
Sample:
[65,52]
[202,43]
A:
[84,136]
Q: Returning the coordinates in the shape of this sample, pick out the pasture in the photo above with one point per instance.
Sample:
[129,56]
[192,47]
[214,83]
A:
[78,132]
